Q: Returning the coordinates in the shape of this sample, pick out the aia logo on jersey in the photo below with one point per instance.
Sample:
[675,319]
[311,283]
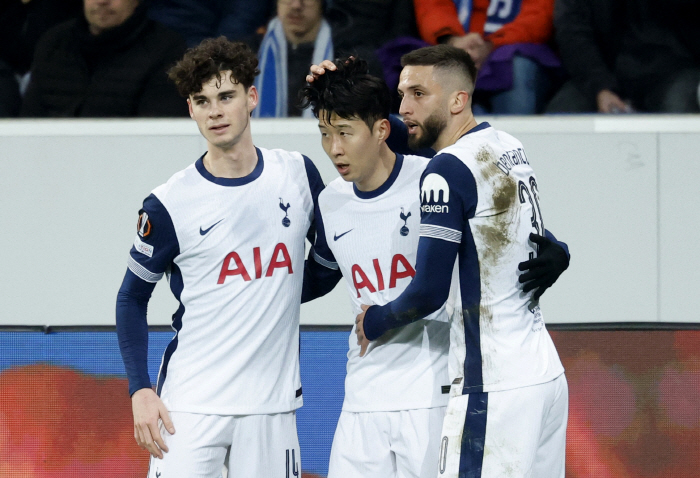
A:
[285,220]
[143,225]
[404,230]
[434,190]
[361,280]
[233,265]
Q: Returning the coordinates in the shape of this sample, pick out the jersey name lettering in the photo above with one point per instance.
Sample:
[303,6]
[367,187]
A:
[233,265]
[360,279]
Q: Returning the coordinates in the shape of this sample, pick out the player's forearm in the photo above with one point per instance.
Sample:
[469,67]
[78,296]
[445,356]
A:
[319,280]
[561,244]
[426,293]
[132,329]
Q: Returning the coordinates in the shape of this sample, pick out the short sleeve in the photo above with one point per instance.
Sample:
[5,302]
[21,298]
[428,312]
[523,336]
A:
[321,252]
[448,198]
[155,245]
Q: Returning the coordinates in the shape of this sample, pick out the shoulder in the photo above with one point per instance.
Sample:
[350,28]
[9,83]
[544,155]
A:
[56,37]
[176,181]
[336,190]
[415,162]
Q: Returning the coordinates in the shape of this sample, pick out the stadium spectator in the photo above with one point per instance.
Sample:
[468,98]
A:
[296,38]
[370,23]
[628,56]
[506,40]
[196,20]
[589,35]
[111,62]
[22,22]
[9,91]
[659,63]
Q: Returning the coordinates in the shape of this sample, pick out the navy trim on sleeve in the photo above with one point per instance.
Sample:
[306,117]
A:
[321,272]
[156,244]
[448,197]
[255,174]
[561,244]
[132,329]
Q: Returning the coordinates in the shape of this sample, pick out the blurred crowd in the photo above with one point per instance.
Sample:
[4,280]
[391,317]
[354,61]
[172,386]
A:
[108,58]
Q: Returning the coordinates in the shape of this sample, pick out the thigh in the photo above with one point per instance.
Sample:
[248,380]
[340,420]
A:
[463,436]
[361,446]
[415,441]
[265,445]
[525,425]
[550,459]
[197,449]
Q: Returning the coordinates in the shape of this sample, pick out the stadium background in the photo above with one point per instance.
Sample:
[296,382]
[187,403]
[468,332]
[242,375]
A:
[621,192]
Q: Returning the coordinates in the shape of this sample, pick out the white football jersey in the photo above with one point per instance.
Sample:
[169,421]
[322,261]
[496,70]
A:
[233,250]
[482,194]
[374,238]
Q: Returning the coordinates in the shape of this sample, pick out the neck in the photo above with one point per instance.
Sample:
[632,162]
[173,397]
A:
[455,130]
[233,162]
[384,166]
[306,37]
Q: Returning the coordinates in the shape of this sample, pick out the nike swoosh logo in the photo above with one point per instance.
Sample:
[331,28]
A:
[204,231]
[335,237]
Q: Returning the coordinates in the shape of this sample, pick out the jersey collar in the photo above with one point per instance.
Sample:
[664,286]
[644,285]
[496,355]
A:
[479,127]
[387,184]
[257,171]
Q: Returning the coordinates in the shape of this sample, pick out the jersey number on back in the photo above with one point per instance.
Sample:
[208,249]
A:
[533,197]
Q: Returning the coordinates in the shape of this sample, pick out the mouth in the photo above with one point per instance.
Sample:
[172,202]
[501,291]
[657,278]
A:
[343,168]
[220,128]
[412,127]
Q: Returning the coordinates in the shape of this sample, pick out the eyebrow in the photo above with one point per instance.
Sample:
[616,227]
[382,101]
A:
[338,126]
[219,94]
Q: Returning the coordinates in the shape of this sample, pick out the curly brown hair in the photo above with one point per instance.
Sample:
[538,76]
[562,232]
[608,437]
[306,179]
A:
[208,60]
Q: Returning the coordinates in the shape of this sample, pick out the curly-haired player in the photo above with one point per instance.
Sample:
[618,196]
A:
[229,233]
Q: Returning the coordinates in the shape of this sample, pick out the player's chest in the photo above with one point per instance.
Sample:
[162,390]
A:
[245,218]
[374,235]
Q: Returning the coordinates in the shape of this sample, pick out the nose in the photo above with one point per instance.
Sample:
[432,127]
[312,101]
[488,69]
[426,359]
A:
[336,148]
[215,111]
[404,107]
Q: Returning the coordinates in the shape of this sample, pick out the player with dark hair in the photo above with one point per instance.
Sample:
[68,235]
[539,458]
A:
[228,231]
[480,205]
[396,394]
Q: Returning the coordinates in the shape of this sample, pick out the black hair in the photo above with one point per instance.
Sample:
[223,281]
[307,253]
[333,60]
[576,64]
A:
[443,57]
[350,92]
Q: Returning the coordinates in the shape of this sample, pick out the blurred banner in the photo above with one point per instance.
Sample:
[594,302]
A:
[65,412]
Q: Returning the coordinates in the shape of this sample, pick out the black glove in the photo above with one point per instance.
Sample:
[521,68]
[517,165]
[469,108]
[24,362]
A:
[545,269]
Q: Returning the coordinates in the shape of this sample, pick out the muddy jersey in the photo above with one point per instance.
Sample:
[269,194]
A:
[482,194]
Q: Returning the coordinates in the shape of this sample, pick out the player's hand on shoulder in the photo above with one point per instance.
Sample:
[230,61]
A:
[318,70]
[148,408]
[544,270]
[360,331]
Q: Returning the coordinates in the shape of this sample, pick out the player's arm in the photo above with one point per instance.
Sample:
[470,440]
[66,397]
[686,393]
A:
[543,271]
[321,272]
[153,251]
[440,239]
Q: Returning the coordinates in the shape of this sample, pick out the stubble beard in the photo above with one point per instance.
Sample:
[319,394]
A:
[432,127]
